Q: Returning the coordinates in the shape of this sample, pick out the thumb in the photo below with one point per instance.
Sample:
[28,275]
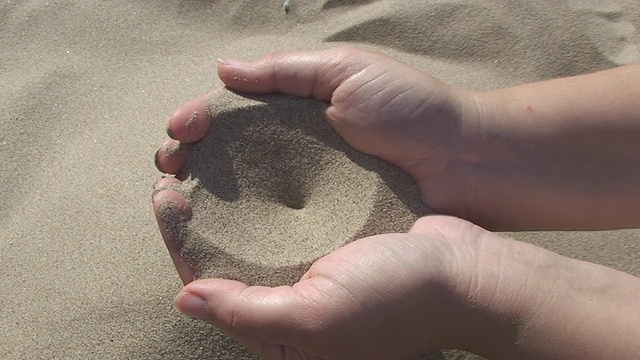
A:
[314,74]
[251,315]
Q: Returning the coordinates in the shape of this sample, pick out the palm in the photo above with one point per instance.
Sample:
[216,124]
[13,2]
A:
[396,113]
[364,297]
[381,107]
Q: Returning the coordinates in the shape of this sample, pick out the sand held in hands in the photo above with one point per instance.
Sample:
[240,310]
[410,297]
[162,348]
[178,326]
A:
[273,187]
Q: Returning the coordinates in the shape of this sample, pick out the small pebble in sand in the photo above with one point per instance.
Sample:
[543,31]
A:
[287,6]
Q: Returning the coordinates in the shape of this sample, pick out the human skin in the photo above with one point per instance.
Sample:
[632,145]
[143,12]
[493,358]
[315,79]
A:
[489,157]
[563,154]
[558,154]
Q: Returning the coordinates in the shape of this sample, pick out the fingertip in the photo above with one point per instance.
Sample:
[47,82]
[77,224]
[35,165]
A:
[171,207]
[172,214]
[166,183]
[211,289]
[314,74]
[233,303]
[170,132]
[237,77]
[220,295]
[156,159]
[231,62]
[190,122]
[223,306]
[170,158]
[191,304]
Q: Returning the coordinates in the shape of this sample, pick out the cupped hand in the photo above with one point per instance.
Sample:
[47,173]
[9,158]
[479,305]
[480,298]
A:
[379,105]
[383,297]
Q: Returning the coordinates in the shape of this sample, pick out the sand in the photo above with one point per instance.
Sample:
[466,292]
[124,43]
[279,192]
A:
[274,188]
[87,87]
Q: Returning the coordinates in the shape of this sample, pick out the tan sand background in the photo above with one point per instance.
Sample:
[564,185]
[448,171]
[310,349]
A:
[87,86]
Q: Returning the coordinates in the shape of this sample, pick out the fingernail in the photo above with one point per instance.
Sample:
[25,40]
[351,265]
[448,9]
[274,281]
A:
[190,304]
[231,62]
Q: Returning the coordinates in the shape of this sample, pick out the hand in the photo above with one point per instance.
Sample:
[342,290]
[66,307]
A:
[536,156]
[384,297]
[379,105]
[445,284]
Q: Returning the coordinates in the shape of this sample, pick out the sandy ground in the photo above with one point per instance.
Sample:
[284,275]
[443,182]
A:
[87,87]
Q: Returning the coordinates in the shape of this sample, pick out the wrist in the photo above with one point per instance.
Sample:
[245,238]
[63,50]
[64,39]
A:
[486,160]
[543,305]
[533,163]
[474,310]
[487,133]
[502,292]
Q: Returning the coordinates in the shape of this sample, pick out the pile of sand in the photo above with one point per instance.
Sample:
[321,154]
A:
[274,187]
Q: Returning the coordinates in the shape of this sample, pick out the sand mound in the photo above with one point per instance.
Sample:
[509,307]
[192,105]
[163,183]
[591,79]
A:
[273,188]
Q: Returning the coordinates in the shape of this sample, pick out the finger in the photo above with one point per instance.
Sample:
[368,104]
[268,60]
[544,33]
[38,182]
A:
[422,225]
[170,157]
[172,213]
[442,225]
[191,121]
[252,315]
[313,74]
[202,304]
[166,183]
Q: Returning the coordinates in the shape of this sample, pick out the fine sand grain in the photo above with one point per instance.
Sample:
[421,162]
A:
[86,90]
[273,188]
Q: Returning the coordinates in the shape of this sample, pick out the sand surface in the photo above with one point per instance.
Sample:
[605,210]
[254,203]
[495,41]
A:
[274,188]
[87,87]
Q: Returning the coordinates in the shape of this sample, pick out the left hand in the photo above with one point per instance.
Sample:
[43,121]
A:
[384,297]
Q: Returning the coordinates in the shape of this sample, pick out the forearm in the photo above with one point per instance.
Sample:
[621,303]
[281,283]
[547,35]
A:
[560,154]
[540,305]
[589,315]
